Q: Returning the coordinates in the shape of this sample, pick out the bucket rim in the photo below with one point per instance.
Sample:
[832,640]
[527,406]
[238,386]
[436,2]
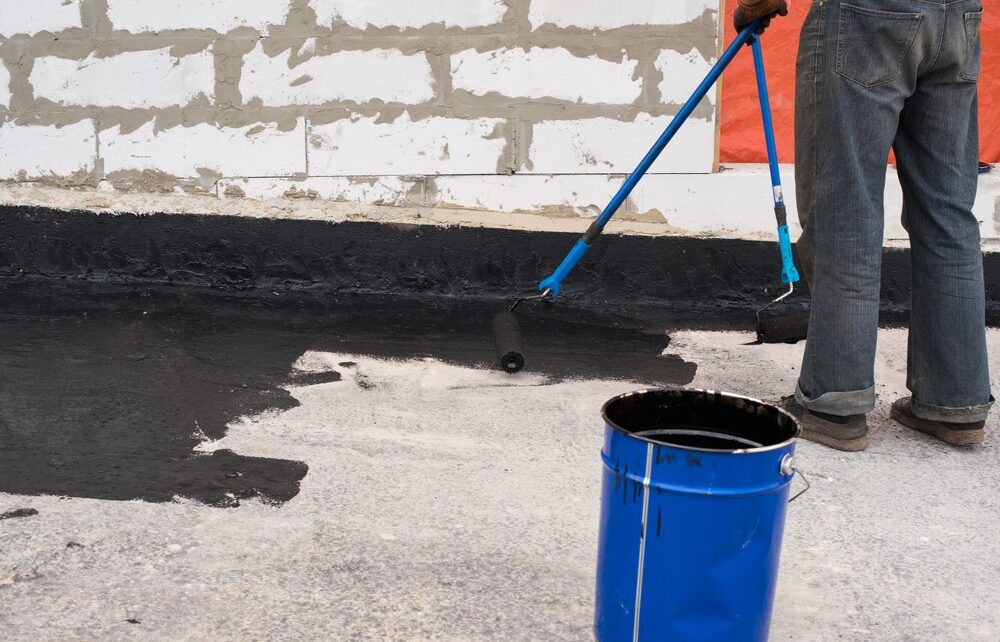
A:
[784,444]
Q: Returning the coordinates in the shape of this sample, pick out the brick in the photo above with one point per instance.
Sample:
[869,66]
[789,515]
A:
[360,76]
[606,145]
[682,73]
[261,150]
[413,14]
[28,152]
[736,204]
[380,190]
[520,193]
[4,86]
[139,79]
[600,14]
[23,17]
[361,147]
[540,73]
[220,15]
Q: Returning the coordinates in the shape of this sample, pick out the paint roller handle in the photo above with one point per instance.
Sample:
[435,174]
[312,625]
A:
[788,272]
[553,283]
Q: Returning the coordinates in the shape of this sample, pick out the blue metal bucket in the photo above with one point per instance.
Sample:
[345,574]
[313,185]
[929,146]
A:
[692,512]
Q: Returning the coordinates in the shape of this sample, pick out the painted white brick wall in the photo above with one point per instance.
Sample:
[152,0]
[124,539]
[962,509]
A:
[261,150]
[428,101]
[32,16]
[601,14]
[541,73]
[4,86]
[41,151]
[138,16]
[138,79]
[606,145]
[363,147]
[682,73]
[412,14]
[376,74]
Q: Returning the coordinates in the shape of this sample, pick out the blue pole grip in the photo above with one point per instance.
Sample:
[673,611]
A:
[554,282]
[788,272]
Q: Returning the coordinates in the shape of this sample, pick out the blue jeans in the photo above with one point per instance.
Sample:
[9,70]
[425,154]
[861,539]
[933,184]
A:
[874,75]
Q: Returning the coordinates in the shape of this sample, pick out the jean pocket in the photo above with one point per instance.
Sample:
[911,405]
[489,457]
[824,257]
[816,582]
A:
[973,22]
[872,44]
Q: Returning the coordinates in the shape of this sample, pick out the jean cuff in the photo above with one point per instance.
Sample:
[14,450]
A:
[951,415]
[842,404]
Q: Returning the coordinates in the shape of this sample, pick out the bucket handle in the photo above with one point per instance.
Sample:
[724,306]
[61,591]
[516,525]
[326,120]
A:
[789,469]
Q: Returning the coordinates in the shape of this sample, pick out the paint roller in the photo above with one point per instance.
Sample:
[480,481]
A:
[506,330]
[777,327]
[507,334]
[774,326]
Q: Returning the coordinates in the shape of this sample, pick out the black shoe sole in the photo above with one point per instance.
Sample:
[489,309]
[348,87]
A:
[940,430]
[846,445]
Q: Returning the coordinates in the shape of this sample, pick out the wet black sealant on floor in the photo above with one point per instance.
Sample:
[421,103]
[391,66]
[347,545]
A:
[107,391]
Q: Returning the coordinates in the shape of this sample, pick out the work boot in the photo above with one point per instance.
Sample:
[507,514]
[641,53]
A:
[968,434]
[849,433]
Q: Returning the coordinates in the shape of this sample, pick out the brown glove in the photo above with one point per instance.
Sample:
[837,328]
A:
[750,10]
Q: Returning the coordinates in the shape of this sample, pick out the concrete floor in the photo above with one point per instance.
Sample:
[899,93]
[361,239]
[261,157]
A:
[448,502]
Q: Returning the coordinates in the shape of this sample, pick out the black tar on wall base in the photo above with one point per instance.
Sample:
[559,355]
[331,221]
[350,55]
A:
[680,274]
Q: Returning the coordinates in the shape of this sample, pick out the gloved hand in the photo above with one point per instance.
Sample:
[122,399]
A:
[750,10]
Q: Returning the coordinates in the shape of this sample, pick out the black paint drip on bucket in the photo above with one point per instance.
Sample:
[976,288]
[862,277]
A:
[700,420]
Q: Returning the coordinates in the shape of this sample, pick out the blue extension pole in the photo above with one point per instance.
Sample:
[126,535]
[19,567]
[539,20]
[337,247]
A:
[788,272]
[553,283]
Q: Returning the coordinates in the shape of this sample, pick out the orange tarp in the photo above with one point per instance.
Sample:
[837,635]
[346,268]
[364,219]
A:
[742,137]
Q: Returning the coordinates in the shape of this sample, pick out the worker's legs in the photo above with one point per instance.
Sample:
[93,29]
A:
[856,67]
[937,154]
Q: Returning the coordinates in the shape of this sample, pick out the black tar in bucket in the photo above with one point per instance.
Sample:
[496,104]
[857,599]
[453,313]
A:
[701,420]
